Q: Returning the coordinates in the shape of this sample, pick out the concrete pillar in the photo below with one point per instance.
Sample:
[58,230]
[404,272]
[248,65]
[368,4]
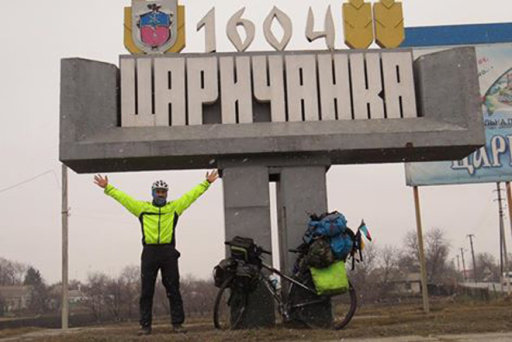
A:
[300,190]
[247,213]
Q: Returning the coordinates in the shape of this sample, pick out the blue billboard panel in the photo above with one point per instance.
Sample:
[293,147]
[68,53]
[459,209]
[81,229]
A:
[493,162]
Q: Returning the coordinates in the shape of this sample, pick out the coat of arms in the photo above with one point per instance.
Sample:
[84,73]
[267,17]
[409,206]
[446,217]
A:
[154,25]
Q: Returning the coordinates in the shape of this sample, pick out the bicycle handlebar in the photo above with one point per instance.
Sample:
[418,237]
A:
[264,251]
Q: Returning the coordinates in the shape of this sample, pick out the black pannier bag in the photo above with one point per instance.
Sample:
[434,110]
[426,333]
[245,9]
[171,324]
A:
[225,269]
[244,249]
[246,278]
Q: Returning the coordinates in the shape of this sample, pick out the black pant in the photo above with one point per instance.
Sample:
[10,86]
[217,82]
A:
[165,258]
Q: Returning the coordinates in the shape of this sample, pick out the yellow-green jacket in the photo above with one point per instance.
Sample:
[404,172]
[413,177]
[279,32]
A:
[158,223]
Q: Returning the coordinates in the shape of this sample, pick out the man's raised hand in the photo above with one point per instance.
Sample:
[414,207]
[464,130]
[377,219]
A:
[101,181]
[212,176]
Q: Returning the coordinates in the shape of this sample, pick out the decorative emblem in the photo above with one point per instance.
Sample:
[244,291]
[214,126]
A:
[154,25]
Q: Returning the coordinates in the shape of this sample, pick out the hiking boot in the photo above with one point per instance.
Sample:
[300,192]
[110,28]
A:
[144,331]
[178,329]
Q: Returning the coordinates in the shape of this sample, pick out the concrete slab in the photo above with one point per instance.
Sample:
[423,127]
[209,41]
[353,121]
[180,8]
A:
[449,125]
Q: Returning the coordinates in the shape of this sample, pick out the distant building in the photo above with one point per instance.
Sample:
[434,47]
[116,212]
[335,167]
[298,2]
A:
[407,283]
[15,297]
[399,282]
[75,296]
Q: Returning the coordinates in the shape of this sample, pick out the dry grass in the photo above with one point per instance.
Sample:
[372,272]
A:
[17,332]
[445,318]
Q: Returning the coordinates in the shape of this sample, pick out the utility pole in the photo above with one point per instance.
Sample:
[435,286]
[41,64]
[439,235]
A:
[463,265]
[473,255]
[503,244]
[458,263]
[65,214]
[421,252]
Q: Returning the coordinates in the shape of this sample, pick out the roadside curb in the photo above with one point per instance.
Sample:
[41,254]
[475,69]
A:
[485,337]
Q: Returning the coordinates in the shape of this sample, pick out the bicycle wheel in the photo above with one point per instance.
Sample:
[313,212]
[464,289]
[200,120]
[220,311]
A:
[343,307]
[229,307]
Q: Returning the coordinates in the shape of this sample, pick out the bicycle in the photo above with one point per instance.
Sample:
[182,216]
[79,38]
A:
[230,303]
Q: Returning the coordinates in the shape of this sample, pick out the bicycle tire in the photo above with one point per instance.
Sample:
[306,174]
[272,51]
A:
[226,300]
[349,302]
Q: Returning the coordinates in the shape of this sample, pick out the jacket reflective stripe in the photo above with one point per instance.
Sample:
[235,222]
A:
[158,223]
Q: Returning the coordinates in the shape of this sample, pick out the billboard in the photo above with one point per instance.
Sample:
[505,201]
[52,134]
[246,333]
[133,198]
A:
[493,162]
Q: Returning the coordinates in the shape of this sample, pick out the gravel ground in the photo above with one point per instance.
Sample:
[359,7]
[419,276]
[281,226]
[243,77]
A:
[369,322]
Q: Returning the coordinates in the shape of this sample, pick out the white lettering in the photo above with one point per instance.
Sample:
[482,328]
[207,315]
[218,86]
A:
[136,93]
[334,87]
[498,146]
[236,95]
[172,91]
[232,32]
[208,22]
[480,158]
[399,85]
[463,165]
[366,86]
[269,84]
[328,33]
[301,88]
[286,25]
[202,86]
[509,139]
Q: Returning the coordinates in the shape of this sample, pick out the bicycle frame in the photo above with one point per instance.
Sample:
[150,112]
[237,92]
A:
[283,303]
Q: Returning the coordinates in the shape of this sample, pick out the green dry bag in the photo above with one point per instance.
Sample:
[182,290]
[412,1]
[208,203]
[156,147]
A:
[330,280]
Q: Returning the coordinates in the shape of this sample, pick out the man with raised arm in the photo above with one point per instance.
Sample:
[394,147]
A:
[158,219]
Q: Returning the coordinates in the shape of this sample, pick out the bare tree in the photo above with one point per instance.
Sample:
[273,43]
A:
[198,296]
[437,249]
[11,273]
[130,276]
[436,255]
[388,258]
[364,277]
[489,268]
[388,262]
[94,291]
[411,243]
[114,296]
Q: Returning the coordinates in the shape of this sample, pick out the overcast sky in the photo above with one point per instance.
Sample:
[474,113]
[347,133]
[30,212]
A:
[35,35]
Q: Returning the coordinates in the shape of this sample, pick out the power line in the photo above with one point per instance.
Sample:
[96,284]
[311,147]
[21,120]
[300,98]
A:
[25,181]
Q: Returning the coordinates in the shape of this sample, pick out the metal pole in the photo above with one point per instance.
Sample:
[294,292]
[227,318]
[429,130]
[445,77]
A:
[509,202]
[463,265]
[421,251]
[65,306]
[503,243]
[473,255]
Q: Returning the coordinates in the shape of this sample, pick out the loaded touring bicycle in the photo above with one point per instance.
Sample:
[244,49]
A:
[296,296]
